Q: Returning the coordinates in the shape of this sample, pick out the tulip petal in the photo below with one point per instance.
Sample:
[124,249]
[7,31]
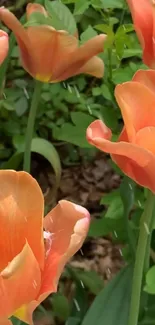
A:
[25,313]
[94,67]
[19,282]
[21,216]
[4,45]
[47,45]
[136,162]
[35,7]
[137,104]
[142,16]
[5,322]
[14,24]
[67,226]
[146,77]
[75,61]
[145,138]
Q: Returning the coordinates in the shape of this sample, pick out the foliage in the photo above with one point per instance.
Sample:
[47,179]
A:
[65,111]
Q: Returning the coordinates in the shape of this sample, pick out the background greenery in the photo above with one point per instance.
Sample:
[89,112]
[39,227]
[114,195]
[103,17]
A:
[65,111]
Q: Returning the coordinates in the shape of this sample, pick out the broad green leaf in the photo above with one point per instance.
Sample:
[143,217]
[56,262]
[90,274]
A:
[127,195]
[109,197]
[48,151]
[150,281]
[37,18]
[61,16]
[111,4]
[105,226]
[122,75]
[60,306]
[21,106]
[91,280]
[75,133]
[87,34]
[111,306]
[73,321]
[96,91]
[42,147]
[115,210]
[81,6]
[79,303]
[14,162]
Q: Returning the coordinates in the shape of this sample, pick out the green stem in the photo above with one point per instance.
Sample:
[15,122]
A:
[144,234]
[30,125]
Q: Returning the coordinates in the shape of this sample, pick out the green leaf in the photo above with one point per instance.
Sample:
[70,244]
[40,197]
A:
[48,151]
[88,33]
[149,316]
[60,306]
[105,226]
[21,106]
[73,321]
[150,281]
[61,16]
[112,304]
[75,134]
[111,4]
[80,303]
[115,210]
[81,6]
[16,321]
[96,91]
[42,147]
[36,19]
[128,197]
[91,280]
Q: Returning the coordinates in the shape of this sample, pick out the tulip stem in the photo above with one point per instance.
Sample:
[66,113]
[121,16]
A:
[30,125]
[145,231]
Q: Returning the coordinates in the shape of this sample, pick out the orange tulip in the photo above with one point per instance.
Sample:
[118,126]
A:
[143,15]
[30,262]
[134,152]
[4,45]
[52,55]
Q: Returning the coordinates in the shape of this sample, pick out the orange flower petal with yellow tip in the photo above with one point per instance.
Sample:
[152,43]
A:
[146,77]
[144,23]
[42,47]
[66,226]
[4,45]
[19,282]
[48,45]
[35,7]
[135,161]
[25,313]
[137,104]
[21,216]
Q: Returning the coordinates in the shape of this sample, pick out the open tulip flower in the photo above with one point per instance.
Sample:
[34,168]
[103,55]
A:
[143,14]
[51,55]
[134,152]
[32,260]
[4,45]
